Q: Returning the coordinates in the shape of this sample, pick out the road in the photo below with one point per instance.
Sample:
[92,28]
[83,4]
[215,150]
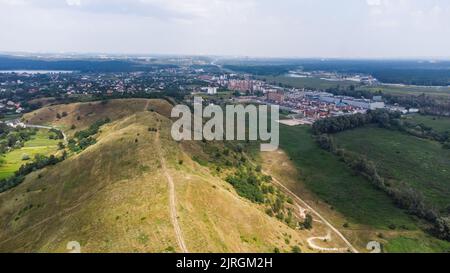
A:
[48,128]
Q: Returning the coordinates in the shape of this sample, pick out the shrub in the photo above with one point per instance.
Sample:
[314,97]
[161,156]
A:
[307,223]
[296,249]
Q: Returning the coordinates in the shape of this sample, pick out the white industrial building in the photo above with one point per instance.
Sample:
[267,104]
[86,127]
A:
[210,90]
[361,103]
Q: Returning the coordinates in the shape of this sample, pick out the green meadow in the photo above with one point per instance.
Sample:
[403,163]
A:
[331,180]
[439,124]
[443,92]
[39,144]
[405,160]
[419,244]
[352,195]
[312,83]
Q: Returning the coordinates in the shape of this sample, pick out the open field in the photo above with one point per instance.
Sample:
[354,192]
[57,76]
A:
[39,144]
[312,83]
[279,166]
[421,164]
[320,176]
[10,117]
[439,124]
[443,92]
[334,183]
[419,244]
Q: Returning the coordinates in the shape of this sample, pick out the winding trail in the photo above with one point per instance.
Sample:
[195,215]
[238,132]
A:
[317,214]
[324,238]
[172,196]
[298,199]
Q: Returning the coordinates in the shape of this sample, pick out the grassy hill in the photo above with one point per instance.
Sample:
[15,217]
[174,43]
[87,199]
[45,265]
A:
[115,196]
[81,115]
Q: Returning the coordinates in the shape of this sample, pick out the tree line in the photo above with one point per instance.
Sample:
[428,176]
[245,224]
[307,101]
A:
[338,124]
[14,138]
[83,139]
[404,197]
[385,119]
[40,162]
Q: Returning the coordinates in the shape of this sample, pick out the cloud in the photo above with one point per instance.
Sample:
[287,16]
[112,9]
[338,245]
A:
[73,2]
[373,2]
[318,28]
[163,9]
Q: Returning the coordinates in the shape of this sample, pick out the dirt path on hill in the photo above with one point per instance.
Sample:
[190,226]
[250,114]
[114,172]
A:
[327,238]
[147,105]
[298,199]
[172,196]
[314,212]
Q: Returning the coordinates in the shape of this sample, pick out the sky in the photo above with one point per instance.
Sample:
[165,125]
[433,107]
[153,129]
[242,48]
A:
[256,28]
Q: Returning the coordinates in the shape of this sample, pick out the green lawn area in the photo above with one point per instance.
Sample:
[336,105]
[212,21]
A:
[419,163]
[10,117]
[421,244]
[39,144]
[409,90]
[439,124]
[312,83]
[332,181]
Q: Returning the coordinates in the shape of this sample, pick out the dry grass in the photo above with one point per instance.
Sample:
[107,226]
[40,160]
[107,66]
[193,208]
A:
[113,197]
[107,198]
[84,114]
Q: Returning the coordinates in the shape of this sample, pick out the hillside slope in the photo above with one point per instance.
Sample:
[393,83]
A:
[81,115]
[120,195]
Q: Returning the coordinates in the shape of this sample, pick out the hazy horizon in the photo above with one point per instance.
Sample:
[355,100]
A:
[249,57]
[358,29]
